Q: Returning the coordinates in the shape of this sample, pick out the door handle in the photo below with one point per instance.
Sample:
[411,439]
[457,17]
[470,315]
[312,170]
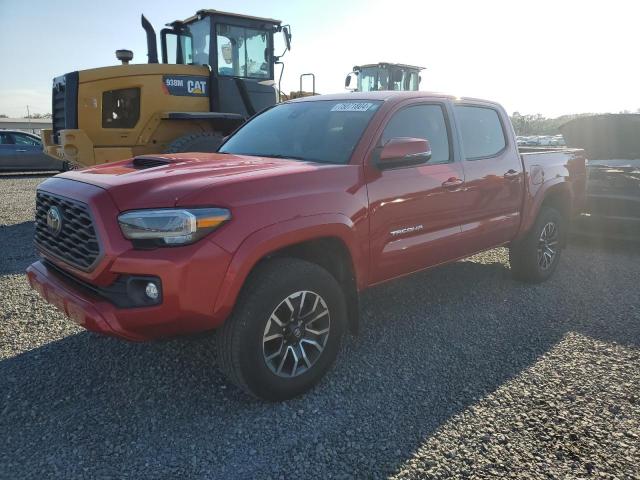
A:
[20,151]
[512,174]
[452,183]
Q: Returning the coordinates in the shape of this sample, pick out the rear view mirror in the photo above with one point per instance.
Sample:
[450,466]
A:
[404,152]
[287,37]
[397,75]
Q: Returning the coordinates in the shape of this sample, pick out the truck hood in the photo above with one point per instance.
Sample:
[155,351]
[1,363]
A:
[160,181]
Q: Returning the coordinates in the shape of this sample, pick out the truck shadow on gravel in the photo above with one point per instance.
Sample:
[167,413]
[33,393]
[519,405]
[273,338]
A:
[430,346]
[16,247]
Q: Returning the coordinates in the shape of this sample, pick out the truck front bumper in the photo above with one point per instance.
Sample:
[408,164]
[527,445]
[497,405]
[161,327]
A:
[187,304]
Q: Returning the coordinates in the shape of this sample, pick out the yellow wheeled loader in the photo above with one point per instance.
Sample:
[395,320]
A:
[216,70]
[384,76]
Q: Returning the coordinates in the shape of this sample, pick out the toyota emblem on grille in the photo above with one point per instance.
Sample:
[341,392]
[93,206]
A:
[54,220]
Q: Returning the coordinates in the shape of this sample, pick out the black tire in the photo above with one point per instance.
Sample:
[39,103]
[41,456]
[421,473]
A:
[524,255]
[207,142]
[241,354]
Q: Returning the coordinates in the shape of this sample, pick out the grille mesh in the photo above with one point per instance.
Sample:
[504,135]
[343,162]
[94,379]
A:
[77,243]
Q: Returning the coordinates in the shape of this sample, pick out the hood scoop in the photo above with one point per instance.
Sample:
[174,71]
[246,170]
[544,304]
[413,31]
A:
[147,161]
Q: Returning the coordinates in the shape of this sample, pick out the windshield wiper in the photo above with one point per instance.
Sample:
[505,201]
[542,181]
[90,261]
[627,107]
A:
[285,157]
[291,157]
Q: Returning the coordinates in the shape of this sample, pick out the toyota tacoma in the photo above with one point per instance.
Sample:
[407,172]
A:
[271,240]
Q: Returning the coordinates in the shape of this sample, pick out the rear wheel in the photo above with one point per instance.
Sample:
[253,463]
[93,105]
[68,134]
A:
[196,142]
[535,257]
[285,331]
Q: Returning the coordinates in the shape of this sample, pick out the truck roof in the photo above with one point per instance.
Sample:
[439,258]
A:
[387,95]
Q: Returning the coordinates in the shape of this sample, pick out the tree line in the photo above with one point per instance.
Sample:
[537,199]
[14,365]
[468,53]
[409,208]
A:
[538,124]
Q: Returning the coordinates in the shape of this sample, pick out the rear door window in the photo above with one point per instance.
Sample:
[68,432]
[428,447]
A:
[422,121]
[481,130]
[21,139]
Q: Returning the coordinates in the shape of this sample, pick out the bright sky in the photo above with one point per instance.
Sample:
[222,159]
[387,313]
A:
[543,56]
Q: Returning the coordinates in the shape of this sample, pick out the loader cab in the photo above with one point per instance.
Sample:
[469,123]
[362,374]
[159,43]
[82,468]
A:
[239,51]
[384,76]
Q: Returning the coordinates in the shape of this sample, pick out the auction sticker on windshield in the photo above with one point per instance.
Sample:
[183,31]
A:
[352,107]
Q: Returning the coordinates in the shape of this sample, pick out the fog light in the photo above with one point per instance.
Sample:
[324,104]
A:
[151,290]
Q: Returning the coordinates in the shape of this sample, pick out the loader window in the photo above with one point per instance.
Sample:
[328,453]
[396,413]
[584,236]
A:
[372,79]
[189,45]
[243,52]
[404,80]
[179,49]
[121,108]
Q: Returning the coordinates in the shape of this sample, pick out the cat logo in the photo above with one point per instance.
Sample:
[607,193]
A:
[185,85]
[197,87]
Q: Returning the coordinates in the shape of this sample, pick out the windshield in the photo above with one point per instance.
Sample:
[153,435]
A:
[243,52]
[325,131]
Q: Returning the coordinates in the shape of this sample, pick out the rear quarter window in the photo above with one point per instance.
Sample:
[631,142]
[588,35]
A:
[481,130]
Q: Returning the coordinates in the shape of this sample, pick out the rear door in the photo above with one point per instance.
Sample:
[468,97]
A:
[414,210]
[493,176]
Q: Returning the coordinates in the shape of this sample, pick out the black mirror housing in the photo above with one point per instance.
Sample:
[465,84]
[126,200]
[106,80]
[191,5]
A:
[287,37]
[403,152]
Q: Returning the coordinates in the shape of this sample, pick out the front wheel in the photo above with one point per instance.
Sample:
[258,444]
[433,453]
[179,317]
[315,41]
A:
[536,256]
[285,331]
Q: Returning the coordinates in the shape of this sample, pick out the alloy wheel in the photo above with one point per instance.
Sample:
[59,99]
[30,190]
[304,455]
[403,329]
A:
[296,334]
[548,245]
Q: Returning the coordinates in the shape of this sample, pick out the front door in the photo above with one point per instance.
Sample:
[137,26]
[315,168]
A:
[414,210]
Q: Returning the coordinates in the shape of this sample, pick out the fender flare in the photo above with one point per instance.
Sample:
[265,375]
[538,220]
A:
[281,235]
[544,191]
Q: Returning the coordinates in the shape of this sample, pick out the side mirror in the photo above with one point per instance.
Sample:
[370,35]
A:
[404,152]
[347,81]
[287,37]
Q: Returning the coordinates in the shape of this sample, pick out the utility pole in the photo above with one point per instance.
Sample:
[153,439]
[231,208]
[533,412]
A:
[29,117]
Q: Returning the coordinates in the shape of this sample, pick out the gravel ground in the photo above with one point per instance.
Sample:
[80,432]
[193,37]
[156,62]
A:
[457,373]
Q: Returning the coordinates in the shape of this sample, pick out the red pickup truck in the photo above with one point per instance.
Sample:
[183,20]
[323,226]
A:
[272,239]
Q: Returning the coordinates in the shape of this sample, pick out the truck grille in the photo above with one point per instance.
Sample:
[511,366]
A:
[64,103]
[75,241]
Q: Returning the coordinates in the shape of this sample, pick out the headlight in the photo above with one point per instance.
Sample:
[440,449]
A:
[168,227]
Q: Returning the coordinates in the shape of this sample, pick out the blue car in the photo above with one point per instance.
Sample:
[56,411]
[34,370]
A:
[22,152]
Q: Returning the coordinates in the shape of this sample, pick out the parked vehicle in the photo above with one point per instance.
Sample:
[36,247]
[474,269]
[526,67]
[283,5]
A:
[22,152]
[217,69]
[612,143]
[309,203]
[385,76]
